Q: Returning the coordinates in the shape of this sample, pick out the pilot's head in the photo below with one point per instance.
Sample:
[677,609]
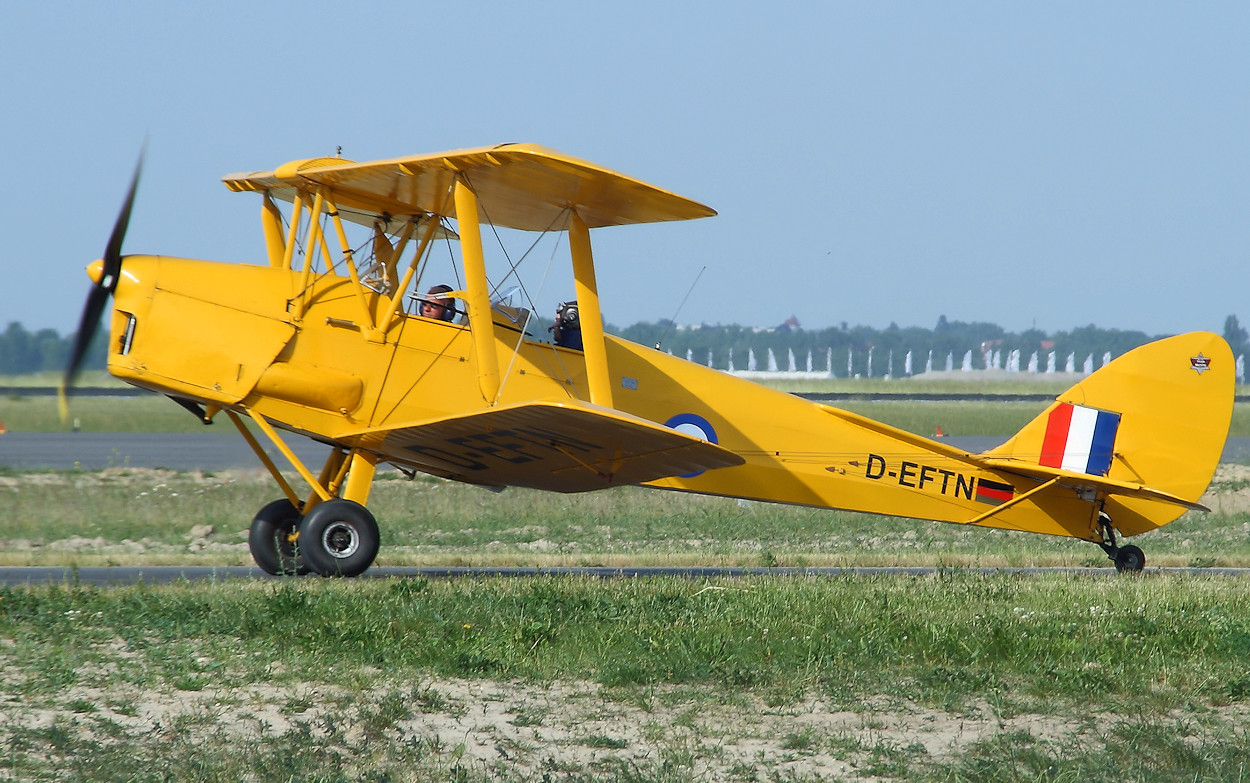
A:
[437,307]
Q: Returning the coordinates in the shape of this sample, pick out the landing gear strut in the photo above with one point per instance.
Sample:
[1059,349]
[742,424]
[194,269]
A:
[1129,558]
[333,534]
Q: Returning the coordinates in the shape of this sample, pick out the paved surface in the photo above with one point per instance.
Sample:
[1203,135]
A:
[220,451]
[97,451]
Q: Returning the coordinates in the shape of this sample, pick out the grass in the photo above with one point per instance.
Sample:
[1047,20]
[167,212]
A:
[662,679]
[146,413]
[954,676]
[161,517]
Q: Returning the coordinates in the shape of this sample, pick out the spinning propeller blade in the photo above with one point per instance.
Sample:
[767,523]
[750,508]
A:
[98,296]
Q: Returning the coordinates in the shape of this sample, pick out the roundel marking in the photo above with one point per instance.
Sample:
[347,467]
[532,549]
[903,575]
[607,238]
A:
[695,426]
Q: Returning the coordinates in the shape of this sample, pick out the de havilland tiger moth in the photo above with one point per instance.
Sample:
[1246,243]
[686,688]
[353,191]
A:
[325,337]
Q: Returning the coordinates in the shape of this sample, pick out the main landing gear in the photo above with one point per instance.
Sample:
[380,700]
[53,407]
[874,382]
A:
[336,538]
[331,533]
[1129,558]
[272,539]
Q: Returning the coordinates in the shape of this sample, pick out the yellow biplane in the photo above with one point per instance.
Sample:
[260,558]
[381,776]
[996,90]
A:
[326,340]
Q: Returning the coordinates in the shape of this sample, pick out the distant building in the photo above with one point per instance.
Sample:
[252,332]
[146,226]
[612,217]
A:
[791,324]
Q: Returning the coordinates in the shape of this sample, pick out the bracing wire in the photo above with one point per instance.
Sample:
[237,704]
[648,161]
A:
[673,321]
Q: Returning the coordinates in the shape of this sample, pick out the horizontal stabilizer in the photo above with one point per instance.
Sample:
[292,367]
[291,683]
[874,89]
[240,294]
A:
[1082,481]
[566,446]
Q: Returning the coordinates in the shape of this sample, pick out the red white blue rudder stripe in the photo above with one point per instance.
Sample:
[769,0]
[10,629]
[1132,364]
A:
[1080,439]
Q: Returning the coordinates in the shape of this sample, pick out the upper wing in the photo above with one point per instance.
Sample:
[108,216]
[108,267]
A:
[521,186]
[561,446]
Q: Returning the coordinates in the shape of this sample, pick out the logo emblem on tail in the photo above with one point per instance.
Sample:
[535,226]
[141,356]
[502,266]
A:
[1200,363]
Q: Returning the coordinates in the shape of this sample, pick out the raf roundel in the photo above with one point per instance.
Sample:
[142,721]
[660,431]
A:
[696,427]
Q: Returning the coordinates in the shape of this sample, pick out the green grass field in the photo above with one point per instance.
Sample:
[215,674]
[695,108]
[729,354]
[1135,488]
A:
[955,676]
[949,677]
[164,518]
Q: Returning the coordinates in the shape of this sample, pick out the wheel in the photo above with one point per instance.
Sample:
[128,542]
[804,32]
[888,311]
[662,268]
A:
[1130,558]
[338,538]
[270,539]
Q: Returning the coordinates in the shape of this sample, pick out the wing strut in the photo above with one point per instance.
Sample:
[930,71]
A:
[481,325]
[587,292]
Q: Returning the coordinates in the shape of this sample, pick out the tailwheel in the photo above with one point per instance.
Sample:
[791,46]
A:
[1128,559]
[271,539]
[338,538]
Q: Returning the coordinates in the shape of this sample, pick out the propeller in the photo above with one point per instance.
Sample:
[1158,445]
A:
[109,269]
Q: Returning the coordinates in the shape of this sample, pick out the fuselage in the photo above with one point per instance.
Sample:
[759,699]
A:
[318,358]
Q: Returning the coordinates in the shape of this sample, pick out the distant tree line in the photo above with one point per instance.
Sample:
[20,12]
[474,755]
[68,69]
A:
[23,352]
[854,343]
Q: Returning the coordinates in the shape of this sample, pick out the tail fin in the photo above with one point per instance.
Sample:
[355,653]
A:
[1156,417]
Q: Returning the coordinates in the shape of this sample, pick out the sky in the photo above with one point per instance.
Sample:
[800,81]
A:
[1034,165]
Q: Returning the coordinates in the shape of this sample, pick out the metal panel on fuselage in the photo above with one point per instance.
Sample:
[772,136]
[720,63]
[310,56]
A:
[202,330]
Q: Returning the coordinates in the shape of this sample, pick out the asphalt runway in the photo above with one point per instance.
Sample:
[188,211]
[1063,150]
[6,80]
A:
[173,451]
[226,450]
[109,576]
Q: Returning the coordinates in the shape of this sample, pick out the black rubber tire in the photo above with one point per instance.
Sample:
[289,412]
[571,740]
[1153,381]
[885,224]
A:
[338,538]
[1130,559]
[269,539]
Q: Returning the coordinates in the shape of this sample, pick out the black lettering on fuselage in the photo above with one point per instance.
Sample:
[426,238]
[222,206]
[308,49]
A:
[906,471]
[925,470]
[877,463]
[963,485]
[925,477]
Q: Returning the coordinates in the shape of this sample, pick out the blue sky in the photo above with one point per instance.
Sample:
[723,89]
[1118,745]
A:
[1048,165]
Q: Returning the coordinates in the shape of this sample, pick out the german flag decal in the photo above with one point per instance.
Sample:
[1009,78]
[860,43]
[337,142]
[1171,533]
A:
[993,492]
